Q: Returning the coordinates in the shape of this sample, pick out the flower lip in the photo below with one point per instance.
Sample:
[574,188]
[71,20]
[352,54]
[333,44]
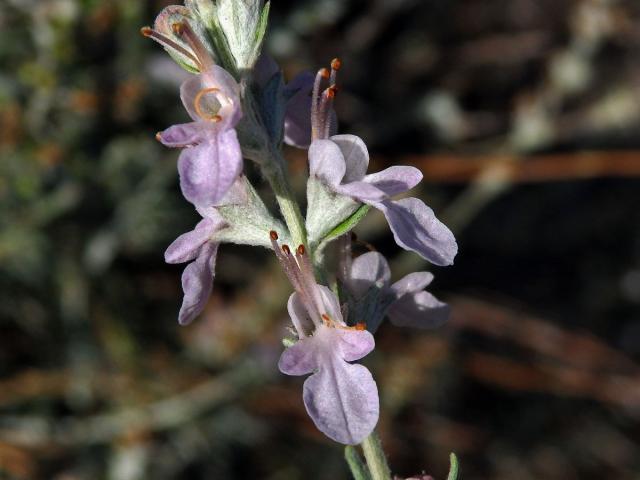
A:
[198,104]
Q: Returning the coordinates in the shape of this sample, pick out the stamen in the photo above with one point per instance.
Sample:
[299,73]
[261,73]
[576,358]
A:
[159,136]
[335,66]
[183,29]
[166,41]
[361,326]
[308,278]
[326,109]
[273,235]
[197,105]
[315,103]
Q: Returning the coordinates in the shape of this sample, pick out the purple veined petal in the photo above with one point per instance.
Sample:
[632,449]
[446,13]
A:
[416,228]
[362,191]
[356,156]
[187,245]
[420,310]
[367,270]
[182,135]
[299,316]
[355,344]
[395,180]
[209,169]
[330,304]
[326,162]
[412,283]
[299,359]
[197,282]
[224,102]
[341,399]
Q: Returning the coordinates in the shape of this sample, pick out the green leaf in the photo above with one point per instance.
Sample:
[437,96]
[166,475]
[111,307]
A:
[345,226]
[453,470]
[261,30]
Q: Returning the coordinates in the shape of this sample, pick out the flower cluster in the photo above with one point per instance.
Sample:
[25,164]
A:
[241,108]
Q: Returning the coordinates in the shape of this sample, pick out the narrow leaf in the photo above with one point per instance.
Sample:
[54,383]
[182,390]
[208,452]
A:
[453,470]
[345,226]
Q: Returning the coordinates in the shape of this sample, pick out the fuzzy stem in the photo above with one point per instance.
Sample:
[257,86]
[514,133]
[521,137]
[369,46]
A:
[275,172]
[376,460]
[356,465]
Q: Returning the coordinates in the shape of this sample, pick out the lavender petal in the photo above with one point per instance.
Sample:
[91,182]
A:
[341,398]
[416,228]
[412,283]
[367,270]
[356,156]
[362,191]
[208,170]
[299,359]
[197,282]
[326,162]
[395,180]
[182,135]
[229,90]
[187,245]
[420,310]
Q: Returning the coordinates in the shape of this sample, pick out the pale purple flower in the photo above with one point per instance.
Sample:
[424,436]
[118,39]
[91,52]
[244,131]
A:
[341,398]
[198,247]
[299,99]
[405,302]
[211,159]
[341,163]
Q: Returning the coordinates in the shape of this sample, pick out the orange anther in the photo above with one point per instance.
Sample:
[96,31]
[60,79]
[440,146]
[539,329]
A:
[158,137]
[336,64]
[178,28]
[324,73]
[146,31]
[361,326]
[273,235]
[285,249]
[301,249]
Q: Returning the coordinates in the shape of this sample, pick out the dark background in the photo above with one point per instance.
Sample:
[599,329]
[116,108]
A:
[524,116]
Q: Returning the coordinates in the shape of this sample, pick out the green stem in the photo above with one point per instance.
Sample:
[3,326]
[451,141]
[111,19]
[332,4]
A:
[275,171]
[356,465]
[376,460]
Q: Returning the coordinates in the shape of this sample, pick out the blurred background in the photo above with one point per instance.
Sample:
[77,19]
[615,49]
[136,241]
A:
[524,116]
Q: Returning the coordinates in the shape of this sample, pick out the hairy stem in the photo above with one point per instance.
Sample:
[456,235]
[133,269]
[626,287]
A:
[356,465]
[376,460]
[275,172]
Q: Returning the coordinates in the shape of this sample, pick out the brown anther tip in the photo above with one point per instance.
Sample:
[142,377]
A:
[285,249]
[324,73]
[361,326]
[216,118]
[159,136]
[332,91]
[273,235]
[336,64]
[301,249]
[178,28]
[146,31]
[325,317]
